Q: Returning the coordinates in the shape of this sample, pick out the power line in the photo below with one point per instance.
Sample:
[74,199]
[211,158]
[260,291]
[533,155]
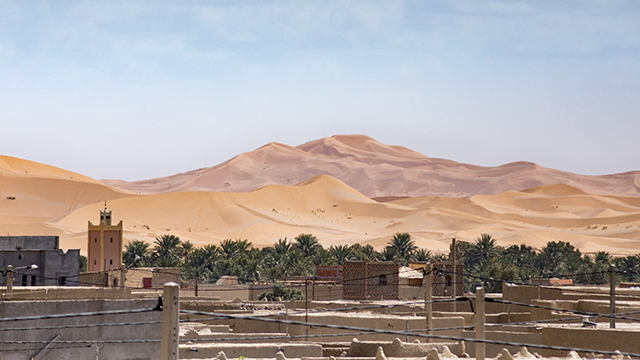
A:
[138,323]
[561,310]
[60,316]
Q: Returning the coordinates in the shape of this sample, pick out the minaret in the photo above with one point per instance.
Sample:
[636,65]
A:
[105,244]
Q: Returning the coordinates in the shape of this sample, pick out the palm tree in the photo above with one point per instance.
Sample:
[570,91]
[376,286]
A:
[403,245]
[558,259]
[389,253]
[281,247]
[366,252]
[230,248]
[422,255]
[323,257]
[166,250]
[482,251]
[340,253]
[628,267]
[186,247]
[136,252]
[308,244]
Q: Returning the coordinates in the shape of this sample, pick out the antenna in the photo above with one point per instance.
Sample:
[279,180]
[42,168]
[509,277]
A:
[105,205]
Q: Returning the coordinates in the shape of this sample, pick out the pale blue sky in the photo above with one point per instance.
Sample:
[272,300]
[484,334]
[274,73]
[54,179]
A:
[141,89]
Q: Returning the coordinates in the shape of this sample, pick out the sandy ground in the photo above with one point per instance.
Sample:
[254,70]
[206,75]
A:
[37,199]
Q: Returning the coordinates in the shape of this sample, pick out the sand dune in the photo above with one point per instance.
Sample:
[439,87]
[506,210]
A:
[375,170]
[39,199]
[31,191]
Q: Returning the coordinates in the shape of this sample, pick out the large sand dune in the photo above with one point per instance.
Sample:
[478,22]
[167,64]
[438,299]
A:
[39,199]
[376,170]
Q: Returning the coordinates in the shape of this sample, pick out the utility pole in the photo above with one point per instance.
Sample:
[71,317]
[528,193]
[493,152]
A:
[306,309]
[9,275]
[480,346]
[612,293]
[123,278]
[170,317]
[453,274]
[428,292]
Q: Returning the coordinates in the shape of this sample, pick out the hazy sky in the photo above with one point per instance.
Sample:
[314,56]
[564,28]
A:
[141,89]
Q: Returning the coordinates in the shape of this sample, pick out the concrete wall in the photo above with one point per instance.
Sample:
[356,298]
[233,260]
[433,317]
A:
[86,340]
[589,338]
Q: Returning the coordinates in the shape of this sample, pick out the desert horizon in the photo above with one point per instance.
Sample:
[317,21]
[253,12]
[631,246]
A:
[43,200]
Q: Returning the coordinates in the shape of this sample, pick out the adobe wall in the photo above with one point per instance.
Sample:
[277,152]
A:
[400,349]
[92,334]
[492,350]
[210,351]
[370,321]
[590,338]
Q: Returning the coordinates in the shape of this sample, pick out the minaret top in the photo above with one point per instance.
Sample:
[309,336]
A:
[105,216]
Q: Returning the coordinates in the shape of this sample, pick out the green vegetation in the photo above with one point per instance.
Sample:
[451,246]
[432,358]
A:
[485,262]
[280,292]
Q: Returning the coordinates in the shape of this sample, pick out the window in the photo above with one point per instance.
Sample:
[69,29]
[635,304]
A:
[24,280]
[62,280]
[382,280]
[94,261]
[111,262]
[111,240]
[20,257]
[95,239]
[33,280]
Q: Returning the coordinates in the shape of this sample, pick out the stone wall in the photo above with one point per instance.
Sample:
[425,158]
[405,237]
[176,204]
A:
[109,342]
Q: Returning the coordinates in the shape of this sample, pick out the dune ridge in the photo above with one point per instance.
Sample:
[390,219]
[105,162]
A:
[376,170]
[37,199]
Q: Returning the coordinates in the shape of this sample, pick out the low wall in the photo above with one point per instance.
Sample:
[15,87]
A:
[269,351]
[369,321]
[492,350]
[90,334]
[68,293]
[401,349]
[589,338]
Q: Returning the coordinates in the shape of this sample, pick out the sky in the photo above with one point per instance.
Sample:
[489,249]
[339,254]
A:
[141,89]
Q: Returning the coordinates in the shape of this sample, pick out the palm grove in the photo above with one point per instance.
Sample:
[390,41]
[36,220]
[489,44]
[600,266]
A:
[485,262]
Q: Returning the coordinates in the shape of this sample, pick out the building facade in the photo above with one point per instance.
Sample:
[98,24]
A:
[55,266]
[104,244]
[370,280]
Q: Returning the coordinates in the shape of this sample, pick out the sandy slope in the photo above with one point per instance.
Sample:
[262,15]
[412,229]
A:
[376,170]
[52,201]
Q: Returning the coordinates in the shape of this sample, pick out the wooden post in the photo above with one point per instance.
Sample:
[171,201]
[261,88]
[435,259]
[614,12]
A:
[9,275]
[123,278]
[170,317]
[428,295]
[480,346]
[453,274]
[612,293]
[306,310]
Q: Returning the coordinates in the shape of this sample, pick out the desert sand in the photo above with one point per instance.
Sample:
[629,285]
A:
[37,199]
[375,170]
